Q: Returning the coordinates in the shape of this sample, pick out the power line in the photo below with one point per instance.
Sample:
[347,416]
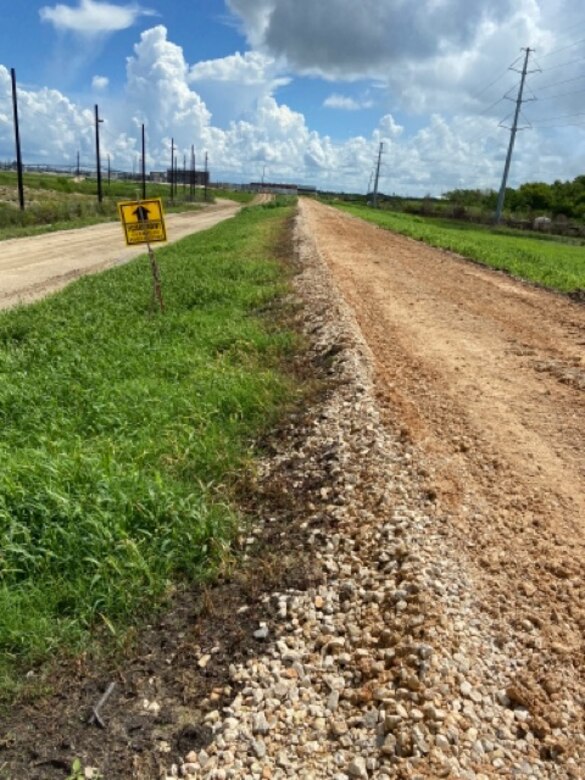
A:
[495,81]
[564,81]
[554,127]
[563,64]
[493,105]
[554,118]
[562,94]
[563,48]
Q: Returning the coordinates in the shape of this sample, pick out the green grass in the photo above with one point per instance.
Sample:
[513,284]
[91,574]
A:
[122,429]
[68,185]
[241,196]
[61,203]
[554,264]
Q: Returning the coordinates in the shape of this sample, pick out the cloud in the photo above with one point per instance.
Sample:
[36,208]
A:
[451,148]
[346,39]
[93,17]
[233,86]
[344,103]
[158,93]
[52,127]
[251,68]
[100,83]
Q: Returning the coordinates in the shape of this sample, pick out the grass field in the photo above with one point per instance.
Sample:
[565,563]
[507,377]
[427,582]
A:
[558,265]
[122,430]
[60,202]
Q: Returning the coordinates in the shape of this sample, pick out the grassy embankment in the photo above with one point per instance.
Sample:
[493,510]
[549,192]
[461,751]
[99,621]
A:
[60,202]
[555,264]
[121,432]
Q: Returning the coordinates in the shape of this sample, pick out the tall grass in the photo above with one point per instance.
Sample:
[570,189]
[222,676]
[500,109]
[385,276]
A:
[553,264]
[121,431]
[61,202]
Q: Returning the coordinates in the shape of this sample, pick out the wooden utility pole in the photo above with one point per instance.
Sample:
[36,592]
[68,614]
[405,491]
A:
[206,175]
[97,154]
[143,163]
[192,177]
[172,167]
[17,139]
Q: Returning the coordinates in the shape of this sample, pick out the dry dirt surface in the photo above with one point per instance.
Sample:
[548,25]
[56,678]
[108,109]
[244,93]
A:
[485,376]
[35,266]
[407,601]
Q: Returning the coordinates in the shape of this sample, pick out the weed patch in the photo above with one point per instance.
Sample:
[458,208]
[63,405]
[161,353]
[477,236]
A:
[122,430]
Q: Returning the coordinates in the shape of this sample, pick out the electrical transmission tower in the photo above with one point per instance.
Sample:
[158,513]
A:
[513,131]
[377,179]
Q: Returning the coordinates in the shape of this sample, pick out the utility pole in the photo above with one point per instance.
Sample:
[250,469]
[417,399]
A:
[17,139]
[78,169]
[192,177]
[109,172]
[184,176]
[97,154]
[172,166]
[143,163]
[513,131]
[377,178]
[206,176]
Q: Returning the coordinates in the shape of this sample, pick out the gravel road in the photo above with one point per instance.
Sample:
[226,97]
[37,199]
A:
[35,266]
[446,639]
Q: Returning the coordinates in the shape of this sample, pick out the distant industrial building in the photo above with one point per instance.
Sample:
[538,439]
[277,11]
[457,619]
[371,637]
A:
[282,189]
[186,176]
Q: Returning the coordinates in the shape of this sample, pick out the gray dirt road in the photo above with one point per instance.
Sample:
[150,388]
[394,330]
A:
[35,266]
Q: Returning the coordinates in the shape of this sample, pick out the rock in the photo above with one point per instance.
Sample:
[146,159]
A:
[261,725]
[357,768]
[259,749]
[262,632]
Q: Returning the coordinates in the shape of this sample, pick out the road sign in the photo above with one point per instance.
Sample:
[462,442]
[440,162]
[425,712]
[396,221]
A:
[143,221]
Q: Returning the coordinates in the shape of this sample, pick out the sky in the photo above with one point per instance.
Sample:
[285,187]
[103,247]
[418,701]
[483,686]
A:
[302,91]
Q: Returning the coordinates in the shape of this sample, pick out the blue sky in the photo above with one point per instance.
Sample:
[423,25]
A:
[305,91]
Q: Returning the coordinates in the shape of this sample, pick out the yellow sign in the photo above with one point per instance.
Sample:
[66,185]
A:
[143,221]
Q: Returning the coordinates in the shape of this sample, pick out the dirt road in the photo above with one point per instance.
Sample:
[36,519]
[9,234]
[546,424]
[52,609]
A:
[32,267]
[486,376]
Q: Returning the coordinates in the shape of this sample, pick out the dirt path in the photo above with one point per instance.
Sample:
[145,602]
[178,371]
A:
[486,376]
[33,267]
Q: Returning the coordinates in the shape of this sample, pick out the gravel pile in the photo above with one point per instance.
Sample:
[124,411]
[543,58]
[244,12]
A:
[386,669]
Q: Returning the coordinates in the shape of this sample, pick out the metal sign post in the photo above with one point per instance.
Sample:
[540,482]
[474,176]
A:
[143,223]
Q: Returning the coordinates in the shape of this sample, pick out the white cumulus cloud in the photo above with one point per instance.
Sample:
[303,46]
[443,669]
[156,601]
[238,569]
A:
[100,83]
[345,103]
[93,17]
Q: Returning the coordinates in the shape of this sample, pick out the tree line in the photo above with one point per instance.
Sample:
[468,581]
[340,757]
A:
[559,199]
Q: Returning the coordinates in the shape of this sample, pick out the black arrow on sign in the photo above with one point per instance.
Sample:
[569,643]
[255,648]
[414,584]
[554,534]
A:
[141,213]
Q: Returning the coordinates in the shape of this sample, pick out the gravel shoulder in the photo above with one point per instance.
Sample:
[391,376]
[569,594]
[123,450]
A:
[409,603]
[35,266]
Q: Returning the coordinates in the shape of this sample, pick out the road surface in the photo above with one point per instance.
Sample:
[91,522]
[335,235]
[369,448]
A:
[35,266]
[486,376]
